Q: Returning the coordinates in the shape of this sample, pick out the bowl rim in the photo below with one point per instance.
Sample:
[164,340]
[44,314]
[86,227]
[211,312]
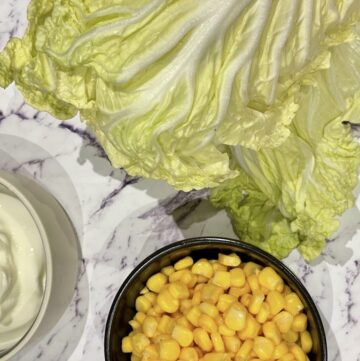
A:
[9,181]
[203,241]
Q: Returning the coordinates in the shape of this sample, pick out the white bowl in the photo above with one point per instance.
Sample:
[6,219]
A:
[61,251]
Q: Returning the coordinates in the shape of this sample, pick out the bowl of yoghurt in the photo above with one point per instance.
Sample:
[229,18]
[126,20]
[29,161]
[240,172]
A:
[39,259]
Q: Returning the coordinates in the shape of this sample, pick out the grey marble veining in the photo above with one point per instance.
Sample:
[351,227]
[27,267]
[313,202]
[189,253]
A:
[121,219]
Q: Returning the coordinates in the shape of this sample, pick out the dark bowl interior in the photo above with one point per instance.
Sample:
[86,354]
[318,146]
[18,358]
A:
[123,310]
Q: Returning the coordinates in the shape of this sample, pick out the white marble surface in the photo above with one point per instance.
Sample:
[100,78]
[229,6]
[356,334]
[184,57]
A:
[121,219]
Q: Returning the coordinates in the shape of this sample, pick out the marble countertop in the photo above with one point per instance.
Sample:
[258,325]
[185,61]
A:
[121,219]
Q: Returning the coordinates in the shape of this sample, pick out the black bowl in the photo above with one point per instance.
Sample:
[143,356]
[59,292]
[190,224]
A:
[123,309]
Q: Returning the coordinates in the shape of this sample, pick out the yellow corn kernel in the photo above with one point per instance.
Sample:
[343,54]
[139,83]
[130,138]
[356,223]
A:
[222,279]
[188,354]
[239,291]
[232,343]
[203,268]
[298,352]
[183,321]
[202,339]
[269,278]
[287,357]
[271,331]
[216,356]
[169,350]
[280,350]
[193,282]
[193,316]
[235,291]
[280,287]
[159,338]
[185,305]
[293,303]
[235,317]
[263,348]
[246,299]
[218,266]
[182,335]
[251,329]
[264,313]
[166,324]
[219,320]
[149,326]
[217,342]
[176,276]
[151,297]
[152,312]
[134,324]
[276,302]
[290,336]
[166,302]
[135,357]
[156,282]
[196,298]
[126,344]
[140,317]
[231,356]
[207,323]
[168,270]
[253,282]
[224,302]
[210,293]
[199,351]
[148,358]
[139,341]
[256,302]
[306,341]
[142,304]
[238,278]
[199,287]
[155,311]
[202,279]
[286,290]
[250,268]
[178,290]
[283,321]
[231,260]
[184,263]
[299,323]
[151,352]
[209,309]
[144,290]
[244,351]
[159,311]
[226,331]
[188,278]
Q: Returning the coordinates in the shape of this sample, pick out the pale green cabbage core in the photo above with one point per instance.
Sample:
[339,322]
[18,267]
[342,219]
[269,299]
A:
[245,95]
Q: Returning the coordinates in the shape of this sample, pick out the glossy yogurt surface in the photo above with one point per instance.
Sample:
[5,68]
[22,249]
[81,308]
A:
[22,270]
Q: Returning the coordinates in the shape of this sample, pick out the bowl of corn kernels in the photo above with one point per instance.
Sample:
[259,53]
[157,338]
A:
[213,299]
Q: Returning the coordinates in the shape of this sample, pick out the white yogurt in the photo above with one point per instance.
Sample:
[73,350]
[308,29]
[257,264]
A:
[22,270]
